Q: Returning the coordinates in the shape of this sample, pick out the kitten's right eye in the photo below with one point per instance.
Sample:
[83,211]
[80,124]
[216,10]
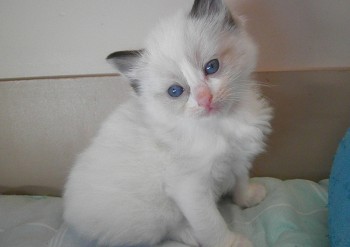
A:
[175,91]
[212,67]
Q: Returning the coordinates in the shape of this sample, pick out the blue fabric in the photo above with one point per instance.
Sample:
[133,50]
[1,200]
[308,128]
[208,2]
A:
[339,196]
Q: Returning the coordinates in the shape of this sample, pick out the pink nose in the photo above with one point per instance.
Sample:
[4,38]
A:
[204,97]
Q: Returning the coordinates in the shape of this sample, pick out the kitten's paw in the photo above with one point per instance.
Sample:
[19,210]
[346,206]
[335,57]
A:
[184,235]
[253,196]
[242,242]
[238,240]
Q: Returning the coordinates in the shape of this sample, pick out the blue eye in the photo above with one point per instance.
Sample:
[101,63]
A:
[212,67]
[175,91]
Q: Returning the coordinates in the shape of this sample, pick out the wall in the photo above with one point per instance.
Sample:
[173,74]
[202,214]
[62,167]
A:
[72,37]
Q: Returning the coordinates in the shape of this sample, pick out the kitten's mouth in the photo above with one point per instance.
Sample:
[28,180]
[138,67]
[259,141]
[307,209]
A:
[209,110]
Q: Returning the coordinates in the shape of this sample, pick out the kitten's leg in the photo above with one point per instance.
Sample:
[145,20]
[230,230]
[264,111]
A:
[248,194]
[184,234]
[199,208]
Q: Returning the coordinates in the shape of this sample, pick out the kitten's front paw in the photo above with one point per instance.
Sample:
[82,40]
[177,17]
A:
[238,240]
[253,196]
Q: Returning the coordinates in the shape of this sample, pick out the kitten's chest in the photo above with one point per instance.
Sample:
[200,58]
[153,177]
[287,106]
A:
[204,143]
[214,143]
[219,149]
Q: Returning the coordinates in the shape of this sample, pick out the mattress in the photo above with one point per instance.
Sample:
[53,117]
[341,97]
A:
[294,213]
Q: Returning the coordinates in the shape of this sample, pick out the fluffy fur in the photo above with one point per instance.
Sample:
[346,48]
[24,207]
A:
[159,164]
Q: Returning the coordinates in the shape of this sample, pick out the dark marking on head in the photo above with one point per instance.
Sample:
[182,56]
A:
[202,8]
[229,19]
[125,61]
[208,8]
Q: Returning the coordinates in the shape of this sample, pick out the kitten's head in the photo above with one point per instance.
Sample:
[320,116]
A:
[194,65]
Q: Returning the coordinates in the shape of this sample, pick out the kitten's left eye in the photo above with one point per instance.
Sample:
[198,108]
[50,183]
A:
[175,91]
[212,67]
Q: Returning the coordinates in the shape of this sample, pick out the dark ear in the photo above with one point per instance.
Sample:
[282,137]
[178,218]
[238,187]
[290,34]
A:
[206,8]
[202,8]
[125,61]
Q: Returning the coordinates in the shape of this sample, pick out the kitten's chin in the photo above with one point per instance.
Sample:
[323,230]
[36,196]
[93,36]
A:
[218,109]
[207,112]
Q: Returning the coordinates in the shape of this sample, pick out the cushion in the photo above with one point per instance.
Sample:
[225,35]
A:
[339,196]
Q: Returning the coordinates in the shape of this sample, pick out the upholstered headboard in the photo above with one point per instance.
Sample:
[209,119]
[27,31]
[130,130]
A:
[45,123]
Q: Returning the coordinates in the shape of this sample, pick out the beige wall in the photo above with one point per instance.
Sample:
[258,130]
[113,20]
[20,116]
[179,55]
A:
[46,123]
[312,113]
[299,34]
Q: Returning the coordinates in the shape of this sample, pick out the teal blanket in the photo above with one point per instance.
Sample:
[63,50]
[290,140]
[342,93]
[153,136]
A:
[294,214]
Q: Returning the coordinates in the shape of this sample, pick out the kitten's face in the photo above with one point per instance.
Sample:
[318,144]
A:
[195,65]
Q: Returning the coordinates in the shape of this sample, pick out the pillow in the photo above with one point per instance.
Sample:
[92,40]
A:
[339,196]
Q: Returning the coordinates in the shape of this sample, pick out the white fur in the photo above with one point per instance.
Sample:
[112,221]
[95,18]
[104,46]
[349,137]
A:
[158,165]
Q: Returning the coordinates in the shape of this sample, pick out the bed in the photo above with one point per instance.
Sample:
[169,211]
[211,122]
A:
[293,214]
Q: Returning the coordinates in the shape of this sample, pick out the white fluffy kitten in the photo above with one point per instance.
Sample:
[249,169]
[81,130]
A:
[186,137]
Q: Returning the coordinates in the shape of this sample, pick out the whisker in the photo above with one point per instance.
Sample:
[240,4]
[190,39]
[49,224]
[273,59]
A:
[227,96]
[260,83]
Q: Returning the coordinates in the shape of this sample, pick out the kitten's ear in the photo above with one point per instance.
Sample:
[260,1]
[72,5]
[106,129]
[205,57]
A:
[202,8]
[205,8]
[125,61]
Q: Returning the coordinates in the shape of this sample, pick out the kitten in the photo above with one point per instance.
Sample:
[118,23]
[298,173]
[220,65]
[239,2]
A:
[187,136]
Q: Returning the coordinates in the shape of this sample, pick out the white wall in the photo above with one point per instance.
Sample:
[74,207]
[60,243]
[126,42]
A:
[72,37]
